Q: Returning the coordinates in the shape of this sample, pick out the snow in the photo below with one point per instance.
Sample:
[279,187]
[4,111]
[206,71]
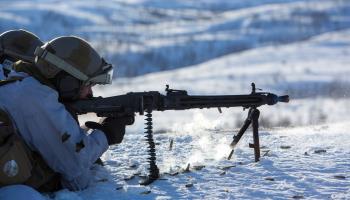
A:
[283,173]
[300,48]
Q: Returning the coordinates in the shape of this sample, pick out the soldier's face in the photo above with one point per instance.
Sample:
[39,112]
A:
[86,92]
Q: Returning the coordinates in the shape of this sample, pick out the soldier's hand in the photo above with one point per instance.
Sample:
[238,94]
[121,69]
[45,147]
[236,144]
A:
[113,128]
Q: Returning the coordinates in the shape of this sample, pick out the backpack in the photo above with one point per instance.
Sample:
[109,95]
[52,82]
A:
[19,164]
[15,161]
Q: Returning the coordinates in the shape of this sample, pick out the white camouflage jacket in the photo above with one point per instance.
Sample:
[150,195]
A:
[48,128]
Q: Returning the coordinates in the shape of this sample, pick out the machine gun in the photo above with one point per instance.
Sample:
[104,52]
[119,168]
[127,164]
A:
[146,102]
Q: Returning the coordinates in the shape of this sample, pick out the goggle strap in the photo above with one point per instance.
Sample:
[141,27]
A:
[60,63]
[19,56]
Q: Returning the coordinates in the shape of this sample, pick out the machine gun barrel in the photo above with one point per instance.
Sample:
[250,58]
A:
[182,102]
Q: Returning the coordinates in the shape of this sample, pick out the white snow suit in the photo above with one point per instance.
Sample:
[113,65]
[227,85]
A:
[48,128]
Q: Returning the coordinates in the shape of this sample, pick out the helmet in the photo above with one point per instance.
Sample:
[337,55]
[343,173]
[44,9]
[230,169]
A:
[74,56]
[18,45]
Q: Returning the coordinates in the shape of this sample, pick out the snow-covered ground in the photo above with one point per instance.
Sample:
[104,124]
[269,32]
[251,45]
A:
[308,162]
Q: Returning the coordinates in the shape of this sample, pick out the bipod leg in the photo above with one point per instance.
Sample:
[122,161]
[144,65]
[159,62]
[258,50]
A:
[255,113]
[240,133]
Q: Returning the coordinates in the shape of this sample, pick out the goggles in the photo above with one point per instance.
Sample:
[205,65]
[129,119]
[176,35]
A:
[102,76]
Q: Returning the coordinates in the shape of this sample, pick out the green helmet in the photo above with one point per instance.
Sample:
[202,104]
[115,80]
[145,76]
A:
[74,56]
[17,45]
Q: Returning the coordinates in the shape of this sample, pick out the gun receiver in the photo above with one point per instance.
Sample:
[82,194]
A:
[141,102]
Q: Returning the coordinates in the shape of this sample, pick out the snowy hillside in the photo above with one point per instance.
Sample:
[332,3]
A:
[314,73]
[142,36]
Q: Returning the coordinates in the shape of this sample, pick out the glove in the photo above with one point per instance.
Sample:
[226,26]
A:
[112,127]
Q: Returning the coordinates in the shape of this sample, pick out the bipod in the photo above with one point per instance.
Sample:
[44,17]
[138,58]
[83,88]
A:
[252,118]
[255,125]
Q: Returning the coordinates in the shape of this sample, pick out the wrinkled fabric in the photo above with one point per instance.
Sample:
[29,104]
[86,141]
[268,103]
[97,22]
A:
[20,192]
[48,128]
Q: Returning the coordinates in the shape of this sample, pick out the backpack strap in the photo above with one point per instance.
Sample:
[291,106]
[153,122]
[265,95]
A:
[11,80]
[5,126]
[4,117]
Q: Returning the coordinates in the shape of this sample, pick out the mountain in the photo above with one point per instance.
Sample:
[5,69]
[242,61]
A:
[143,36]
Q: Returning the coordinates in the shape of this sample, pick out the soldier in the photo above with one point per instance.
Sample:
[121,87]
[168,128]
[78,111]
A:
[60,152]
[16,45]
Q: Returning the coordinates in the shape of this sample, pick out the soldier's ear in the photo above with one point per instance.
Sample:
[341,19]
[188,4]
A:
[67,86]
